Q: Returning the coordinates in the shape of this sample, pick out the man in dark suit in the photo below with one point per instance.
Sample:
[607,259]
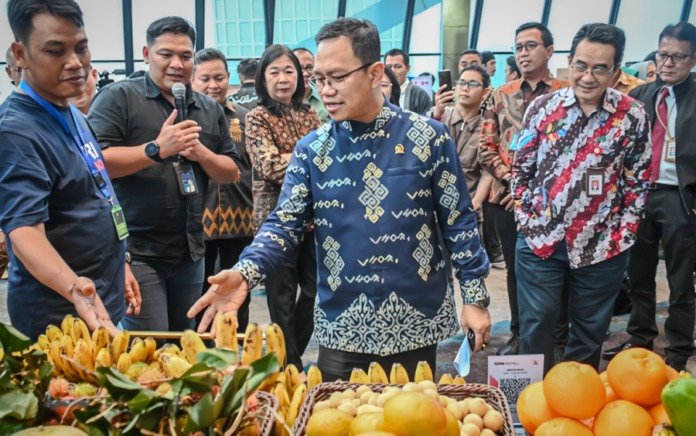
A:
[669,211]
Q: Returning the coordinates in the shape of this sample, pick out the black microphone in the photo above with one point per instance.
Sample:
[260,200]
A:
[179,92]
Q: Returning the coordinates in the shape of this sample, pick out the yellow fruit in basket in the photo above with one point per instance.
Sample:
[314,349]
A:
[391,390]
[575,390]
[470,430]
[367,422]
[361,390]
[488,432]
[298,398]
[412,387]
[349,394]
[443,401]
[464,404]
[314,377]
[383,398]
[365,397]
[377,374]
[473,418]
[414,414]
[377,433]
[563,427]
[446,379]
[321,405]
[349,408]
[398,375]
[623,418]
[478,406]
[432,393]
[532,408]
[359,376]
[423,372]
[493,420]
[367,408]
[452,428]
[459,380]
[428,384]
[329,422]
[455,409]
[638,375]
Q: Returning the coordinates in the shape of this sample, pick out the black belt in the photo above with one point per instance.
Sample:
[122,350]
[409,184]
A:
[663,186]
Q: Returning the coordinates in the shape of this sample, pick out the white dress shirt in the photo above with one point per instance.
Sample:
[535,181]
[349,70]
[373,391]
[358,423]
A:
[402,97]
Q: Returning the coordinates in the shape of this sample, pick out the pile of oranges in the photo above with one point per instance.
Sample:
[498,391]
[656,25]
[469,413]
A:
[574,400]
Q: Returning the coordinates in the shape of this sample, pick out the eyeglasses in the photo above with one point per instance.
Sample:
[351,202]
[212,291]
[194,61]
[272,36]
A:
[308,68]
[397,66]
[465,64]
[677,58]
[18,70]
[472,84]
[595,72]
[334,82]
[386,85]
[530,46]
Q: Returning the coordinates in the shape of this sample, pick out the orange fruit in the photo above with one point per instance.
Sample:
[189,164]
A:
[373,421]
[574,390]
[414,414]
[659,414]
[638,375]
[452,425]
[611,395]
[532,408]
[623,418]
[563,427]
[672,373]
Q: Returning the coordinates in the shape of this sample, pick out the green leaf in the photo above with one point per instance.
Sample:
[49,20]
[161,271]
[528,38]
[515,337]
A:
[200,414]
[218,358]
[12,340]
[232,392]
[98,428]
[199,367]
[18,404]
[260,371]
[6,381]
[141,401]
[11,426]
[118,385]
[45,370]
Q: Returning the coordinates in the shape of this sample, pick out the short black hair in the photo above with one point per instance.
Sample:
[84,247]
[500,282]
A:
[363,35]
[302,49]
[487,56]
[682,31]
[396,88]
[512,63]
[269,55]
[472,51]
[172,25]
[21,13]
[484,74]
[603,34]
[209,54]
[652,56]
[546,36]
[247,68]
[398,52]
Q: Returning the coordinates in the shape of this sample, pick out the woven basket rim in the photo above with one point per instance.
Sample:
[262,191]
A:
[493,396]
[268,417]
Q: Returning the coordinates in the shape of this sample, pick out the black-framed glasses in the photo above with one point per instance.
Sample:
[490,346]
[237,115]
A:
[308,68]
[677,58]
[596,71]
[386,85]
[472,84]
[530,46]
[334,82]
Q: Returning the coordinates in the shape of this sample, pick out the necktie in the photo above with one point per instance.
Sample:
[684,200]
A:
[658,136]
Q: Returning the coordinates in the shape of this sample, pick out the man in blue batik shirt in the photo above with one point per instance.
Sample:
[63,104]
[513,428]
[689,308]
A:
[376,181]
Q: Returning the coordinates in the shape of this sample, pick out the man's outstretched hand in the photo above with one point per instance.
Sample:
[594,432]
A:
[227,293]
[90,307]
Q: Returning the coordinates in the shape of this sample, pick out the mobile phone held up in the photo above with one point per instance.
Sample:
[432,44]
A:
[445,78]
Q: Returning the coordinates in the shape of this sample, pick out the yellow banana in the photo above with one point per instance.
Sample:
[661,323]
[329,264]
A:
[54,353]
[151,347]
[423,372]
[119,345]
[84,331]
[398,375]
[171,349]
[226,331]
[280,391]
[684,374]
[253,344]
[268,384]
[313,377]
[283,378]
[298,399]
[459,380]
[53,333]
[83,354]
[43,342]
[446,379]
[67,324]
[100,340]
[124,362]
[103,358]
[67,346]
[292,377]
[275,341]
[359,376]
[174,366]
[192,344]
[278,427]
[377,374]
[138,351]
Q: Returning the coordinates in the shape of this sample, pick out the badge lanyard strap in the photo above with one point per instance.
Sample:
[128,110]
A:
[99,179]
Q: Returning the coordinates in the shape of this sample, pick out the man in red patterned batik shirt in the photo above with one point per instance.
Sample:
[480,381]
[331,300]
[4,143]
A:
[580,179]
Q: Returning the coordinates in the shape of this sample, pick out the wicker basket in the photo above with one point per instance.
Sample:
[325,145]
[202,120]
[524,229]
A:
[493,396]
[268,417]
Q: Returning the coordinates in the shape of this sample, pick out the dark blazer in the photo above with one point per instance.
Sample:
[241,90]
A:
[685,134]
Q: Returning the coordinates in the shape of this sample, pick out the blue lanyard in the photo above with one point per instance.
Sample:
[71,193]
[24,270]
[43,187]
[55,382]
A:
[93,160]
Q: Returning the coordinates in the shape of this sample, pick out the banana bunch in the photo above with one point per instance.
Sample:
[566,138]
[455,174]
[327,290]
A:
[72,349]
[291,394]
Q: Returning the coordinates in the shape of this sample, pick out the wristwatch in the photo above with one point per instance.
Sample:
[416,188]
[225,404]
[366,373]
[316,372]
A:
[128,258]
[483,303]
[152,151]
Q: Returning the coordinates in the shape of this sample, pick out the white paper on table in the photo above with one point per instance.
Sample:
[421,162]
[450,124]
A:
[511,374]
[462,363]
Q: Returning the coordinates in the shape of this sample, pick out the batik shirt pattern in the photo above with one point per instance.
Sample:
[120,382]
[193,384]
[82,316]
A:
[557,148]
[374,192]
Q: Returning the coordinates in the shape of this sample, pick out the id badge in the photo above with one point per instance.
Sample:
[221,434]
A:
[595,182]
[119,222]
[670,150]
[185,178]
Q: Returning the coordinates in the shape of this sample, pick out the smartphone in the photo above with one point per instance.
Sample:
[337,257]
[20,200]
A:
[471,336]
[445,78]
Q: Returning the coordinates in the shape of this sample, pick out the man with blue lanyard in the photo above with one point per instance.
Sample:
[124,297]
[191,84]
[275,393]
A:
[66,231]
